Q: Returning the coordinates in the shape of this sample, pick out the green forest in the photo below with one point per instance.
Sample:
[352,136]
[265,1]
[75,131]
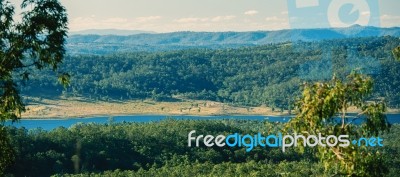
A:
[160,149]
[269,75]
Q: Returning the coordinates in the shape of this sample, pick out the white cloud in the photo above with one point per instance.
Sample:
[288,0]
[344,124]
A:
[191,20]
[251,12]
[225,23]
[115,20]
[93,22]
[390,20]
[222,18]
[147,19]
[206,19]
[389,17]
[163,24]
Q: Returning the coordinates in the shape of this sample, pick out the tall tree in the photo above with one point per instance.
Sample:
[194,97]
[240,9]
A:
[323,109]
[36,42]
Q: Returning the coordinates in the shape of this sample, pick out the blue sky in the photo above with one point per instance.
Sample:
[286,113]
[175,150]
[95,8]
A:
[220,15]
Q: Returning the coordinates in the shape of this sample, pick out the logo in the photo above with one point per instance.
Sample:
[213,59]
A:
[278,141]
[333,13]
[336,16]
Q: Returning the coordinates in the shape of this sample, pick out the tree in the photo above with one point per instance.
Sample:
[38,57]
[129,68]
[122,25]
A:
[37,42]
[320,108]
[396,53]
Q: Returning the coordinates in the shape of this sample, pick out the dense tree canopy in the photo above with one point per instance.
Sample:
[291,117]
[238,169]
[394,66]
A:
[36,42]
[159,148]
[268,74]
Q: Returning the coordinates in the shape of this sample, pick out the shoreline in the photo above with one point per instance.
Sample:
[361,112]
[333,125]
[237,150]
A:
[79,108]
[88,116]
[166,115]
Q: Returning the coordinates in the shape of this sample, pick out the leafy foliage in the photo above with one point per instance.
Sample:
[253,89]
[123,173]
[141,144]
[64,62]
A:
[36,42]
[6,151]
[41,35]
[396,53]
[251,168]
[321,103]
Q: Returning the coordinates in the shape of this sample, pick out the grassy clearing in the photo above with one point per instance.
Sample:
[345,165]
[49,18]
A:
[79,107]
[38,108]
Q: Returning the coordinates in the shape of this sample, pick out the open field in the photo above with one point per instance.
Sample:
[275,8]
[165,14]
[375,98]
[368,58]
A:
[77,107]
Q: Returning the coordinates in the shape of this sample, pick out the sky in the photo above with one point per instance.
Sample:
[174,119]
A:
[226,15]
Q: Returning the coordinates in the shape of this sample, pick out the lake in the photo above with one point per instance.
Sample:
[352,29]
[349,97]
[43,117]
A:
[49,124]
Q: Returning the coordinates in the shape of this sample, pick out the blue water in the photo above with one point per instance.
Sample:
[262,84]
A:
[49,124]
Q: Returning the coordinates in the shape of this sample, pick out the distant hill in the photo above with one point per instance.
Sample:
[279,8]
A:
[265,74]
[102,44]
[110,32]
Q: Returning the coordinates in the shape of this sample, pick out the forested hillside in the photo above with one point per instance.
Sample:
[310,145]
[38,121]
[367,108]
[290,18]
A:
[268,74]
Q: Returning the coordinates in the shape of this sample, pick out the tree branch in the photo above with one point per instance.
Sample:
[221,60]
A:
[357,117]
[338,154]
[343,113]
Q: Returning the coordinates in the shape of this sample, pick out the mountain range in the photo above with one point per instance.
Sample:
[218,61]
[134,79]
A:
[92,42]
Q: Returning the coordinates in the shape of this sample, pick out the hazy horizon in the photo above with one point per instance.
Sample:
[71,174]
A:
[213,16]
[154,32]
